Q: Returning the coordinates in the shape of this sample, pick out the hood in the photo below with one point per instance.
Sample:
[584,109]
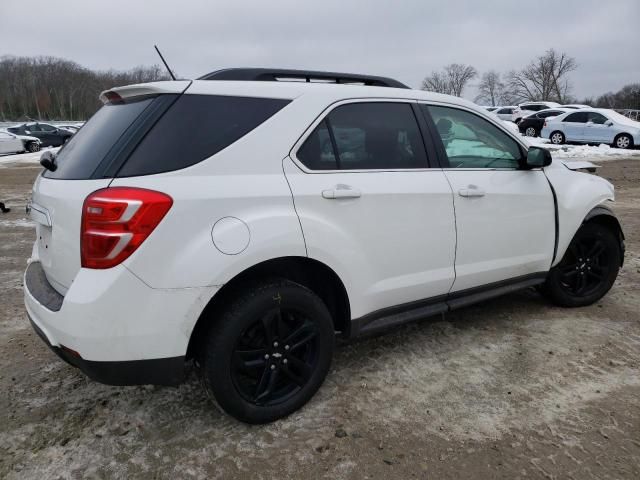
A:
[27,137]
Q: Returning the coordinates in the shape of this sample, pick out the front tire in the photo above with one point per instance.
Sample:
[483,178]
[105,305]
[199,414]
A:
[623,141]
[33,147]
[268,351]
[588,269]
[557,138]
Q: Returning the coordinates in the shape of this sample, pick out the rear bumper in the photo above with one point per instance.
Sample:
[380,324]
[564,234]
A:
[161,371]
[114,327]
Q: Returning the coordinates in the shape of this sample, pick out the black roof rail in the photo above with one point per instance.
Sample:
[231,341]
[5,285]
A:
[275,74]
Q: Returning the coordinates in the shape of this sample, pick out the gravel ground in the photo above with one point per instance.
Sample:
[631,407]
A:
[514,388]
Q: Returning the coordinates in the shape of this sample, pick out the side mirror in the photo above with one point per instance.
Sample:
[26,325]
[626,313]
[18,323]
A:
[48,161]
[537,158]
[608,123]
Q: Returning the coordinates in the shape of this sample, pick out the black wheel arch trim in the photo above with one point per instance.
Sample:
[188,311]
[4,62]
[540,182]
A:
[605,211]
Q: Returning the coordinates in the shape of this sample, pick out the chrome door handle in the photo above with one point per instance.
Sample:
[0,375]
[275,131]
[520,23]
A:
[341,191]
[471,191]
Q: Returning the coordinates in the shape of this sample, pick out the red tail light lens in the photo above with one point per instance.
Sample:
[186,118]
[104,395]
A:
[115,222]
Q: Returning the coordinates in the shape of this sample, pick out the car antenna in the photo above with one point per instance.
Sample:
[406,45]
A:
[165,63]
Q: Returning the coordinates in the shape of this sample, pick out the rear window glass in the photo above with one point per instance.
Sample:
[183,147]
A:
[197,127]
[86,149]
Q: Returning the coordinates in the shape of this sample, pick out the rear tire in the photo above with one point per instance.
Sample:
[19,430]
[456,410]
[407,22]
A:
[531,132]
[623,141]
[588,269]
[33,147]
[557,138]
[268,351]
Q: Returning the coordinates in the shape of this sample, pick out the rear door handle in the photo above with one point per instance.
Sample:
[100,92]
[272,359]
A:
[341,191]
[471,191]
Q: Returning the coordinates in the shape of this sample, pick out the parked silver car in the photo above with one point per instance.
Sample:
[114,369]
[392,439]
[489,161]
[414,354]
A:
[593,125]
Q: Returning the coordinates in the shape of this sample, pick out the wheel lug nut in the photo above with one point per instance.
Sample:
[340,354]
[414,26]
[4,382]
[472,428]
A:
[266,357]
[275,344]
[273,367]
[286,347]
[285,361]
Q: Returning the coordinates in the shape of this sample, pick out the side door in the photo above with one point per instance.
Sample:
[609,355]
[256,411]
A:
[505,216]
[573,126]
[50,135]
[9,143]
[371,207]
[595,129]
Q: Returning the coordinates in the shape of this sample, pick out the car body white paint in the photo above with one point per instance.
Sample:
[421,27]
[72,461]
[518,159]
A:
[590,132]
[407,237]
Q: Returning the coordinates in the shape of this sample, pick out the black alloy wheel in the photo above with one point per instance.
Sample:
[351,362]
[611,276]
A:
[273,359]
[588,269]
[268,350]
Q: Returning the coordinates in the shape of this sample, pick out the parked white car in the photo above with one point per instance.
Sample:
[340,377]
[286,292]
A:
[505,113]
[528,108]
[11,143]
[240,222]
[595,125]
[576,106]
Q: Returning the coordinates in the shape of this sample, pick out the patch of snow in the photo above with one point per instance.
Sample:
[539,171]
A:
[20,223]
[25,157]
[601,151]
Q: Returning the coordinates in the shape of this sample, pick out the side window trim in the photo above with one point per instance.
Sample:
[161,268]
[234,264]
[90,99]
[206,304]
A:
[324,117]
[442,153]
[436,141]
[332,137]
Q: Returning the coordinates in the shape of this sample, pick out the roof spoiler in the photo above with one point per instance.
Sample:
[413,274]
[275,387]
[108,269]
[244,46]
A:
[141,89]
[274,75]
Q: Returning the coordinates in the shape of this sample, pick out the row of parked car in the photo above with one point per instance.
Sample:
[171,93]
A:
[31,137]
[571,123]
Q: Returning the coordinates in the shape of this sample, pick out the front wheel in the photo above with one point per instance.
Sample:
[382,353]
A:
[33,147]
[588,269]
[268,352]
[557,138]
[623,141]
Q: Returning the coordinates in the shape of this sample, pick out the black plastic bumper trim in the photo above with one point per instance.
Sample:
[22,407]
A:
[38,286]
[158,371]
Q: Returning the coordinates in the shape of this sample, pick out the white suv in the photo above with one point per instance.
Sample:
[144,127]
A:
[525,109]
[240,221]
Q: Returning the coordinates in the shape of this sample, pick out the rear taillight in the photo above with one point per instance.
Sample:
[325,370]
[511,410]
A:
[545,123]
[115,222]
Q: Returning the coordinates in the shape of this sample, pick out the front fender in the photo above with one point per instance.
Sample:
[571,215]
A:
[577,196]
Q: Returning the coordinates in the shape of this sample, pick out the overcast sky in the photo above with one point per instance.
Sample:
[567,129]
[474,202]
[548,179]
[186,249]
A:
[402,39]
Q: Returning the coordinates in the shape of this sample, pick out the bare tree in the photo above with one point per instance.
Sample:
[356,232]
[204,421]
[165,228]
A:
[491,89]
[54,88]
[437,82]
[545,78]
[451,80]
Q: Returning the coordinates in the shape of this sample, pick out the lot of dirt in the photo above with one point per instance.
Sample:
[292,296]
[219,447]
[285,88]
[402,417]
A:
[513,388]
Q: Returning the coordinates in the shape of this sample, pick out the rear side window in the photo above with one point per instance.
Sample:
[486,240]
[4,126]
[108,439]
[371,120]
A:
[84,152]
[197,127]
[579,117]
[366,136]
[552,113]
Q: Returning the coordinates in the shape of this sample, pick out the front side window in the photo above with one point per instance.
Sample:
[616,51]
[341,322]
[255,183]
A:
[365,136]
[47,128]
[578,117]
[471,141]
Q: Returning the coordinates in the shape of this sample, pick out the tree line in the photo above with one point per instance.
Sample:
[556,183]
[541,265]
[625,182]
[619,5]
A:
[50,88]
[545,78]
